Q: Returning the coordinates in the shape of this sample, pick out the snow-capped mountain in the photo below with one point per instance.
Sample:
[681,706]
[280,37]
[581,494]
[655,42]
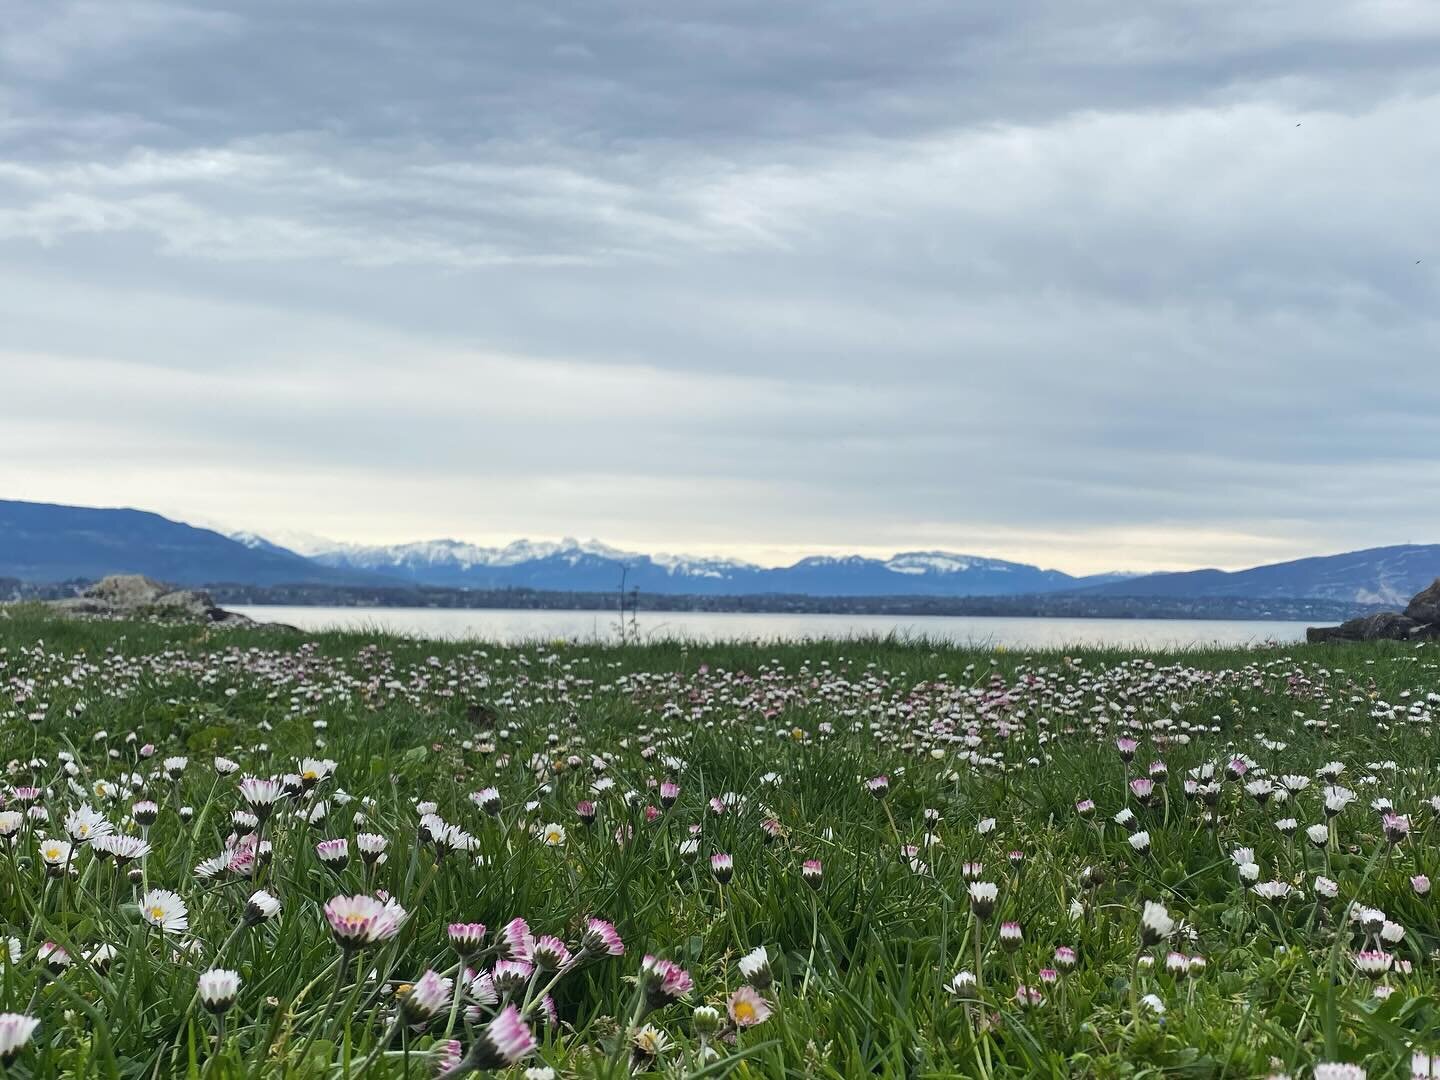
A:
[45,543]
[941,562]
[457,555]
[589,566]
[693,566]
[290,540]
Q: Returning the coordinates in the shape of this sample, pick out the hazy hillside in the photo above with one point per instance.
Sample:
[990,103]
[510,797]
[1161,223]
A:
[44,542]
[1384,575]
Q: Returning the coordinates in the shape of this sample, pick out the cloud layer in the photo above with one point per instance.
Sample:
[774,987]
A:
[1053,280]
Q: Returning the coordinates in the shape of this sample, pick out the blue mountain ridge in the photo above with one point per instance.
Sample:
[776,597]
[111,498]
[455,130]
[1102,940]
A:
[590,568]
[43,543]
[1382,575]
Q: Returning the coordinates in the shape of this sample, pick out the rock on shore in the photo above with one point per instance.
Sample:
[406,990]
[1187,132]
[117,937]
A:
[1420,621]
[1425,607]
[137,596]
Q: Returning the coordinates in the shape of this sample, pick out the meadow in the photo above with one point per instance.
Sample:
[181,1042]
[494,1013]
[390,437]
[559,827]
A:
[258,853]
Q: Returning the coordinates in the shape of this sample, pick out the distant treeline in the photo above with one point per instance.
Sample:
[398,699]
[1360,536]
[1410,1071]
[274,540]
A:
[1055,605]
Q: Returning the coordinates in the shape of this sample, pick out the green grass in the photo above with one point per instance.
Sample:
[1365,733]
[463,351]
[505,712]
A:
[860,965]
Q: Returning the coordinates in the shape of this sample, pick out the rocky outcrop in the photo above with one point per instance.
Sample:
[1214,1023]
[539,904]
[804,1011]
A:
[1419,622]
[129,596]
[1425,607]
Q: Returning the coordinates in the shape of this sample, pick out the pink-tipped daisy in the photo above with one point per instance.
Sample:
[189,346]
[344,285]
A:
[427,998]
[812,872]
[747,1008]
[359,921]
[501,1043]
[600,938]
[722,867]
[550,953]
[16,1031]
[664,981]
[514,941]
[333,853]
[467,939]
[512,976]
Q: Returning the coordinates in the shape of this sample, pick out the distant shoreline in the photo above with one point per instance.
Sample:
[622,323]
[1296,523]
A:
[1058,605]
[610,613]
[1063,605]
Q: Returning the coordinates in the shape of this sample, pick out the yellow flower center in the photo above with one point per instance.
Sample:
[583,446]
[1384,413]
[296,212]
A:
[744,1010]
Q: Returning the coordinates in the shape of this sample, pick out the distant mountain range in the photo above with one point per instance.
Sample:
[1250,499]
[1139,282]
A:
[42,543]
[591,566]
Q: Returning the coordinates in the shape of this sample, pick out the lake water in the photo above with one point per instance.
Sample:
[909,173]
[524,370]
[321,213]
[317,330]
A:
[515,625]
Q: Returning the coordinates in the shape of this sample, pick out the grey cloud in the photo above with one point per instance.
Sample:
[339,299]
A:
[603,70]
[1015,274]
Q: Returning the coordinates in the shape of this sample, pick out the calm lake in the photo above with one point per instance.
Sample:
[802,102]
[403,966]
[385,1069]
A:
[514,626]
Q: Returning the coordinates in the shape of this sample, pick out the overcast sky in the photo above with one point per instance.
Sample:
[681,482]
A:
[1089,283]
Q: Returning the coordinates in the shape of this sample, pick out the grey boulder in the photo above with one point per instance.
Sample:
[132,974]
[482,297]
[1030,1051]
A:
[1425,607]
[1419,622]
[131,595]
